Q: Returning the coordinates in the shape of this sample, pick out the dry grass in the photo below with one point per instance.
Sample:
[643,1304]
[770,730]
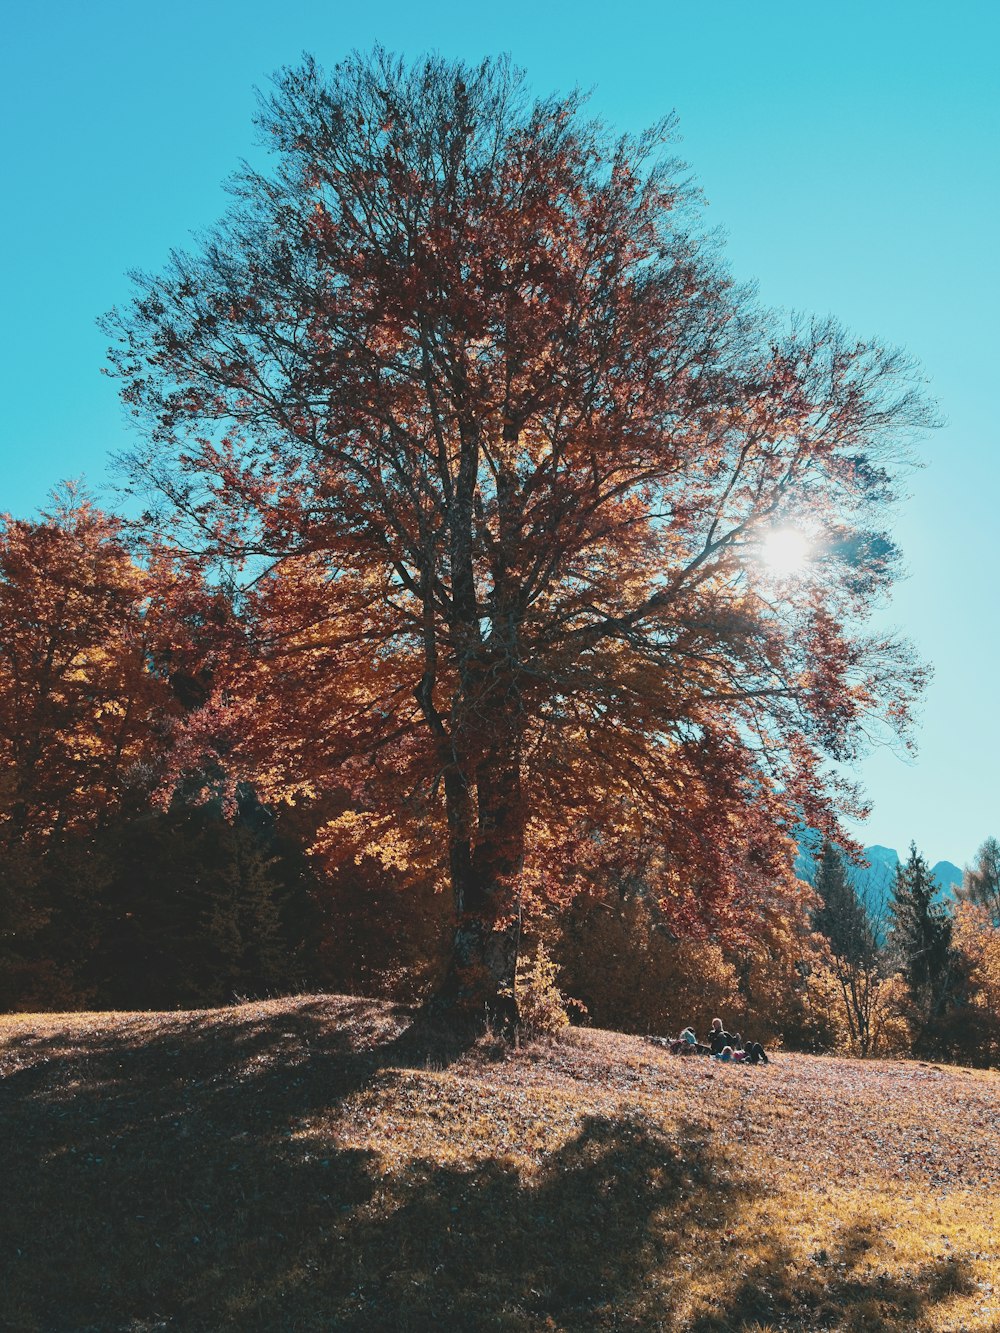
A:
[318,1163]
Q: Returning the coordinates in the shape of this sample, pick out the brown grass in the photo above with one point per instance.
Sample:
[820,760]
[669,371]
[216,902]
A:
[319,1163]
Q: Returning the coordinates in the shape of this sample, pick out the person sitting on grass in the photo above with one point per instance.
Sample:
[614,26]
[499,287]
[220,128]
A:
[687,1044]
[719,1038]
[755,1053]
[736,1054]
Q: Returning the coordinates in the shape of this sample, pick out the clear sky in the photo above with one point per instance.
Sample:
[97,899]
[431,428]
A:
[849,152]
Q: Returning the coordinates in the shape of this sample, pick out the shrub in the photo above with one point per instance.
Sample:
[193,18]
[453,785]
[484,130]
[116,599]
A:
[541,1005]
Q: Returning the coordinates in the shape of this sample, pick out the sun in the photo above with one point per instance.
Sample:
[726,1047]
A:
[786,552]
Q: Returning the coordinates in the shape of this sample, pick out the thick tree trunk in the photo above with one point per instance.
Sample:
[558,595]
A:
[486,859]
[483,971]
[486,816]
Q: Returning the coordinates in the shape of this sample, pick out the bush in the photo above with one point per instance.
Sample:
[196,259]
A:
[542,1008]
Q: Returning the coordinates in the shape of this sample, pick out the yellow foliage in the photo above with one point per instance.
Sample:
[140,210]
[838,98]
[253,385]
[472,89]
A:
[633,975]
[541,1005]
[978,940]
[835,1009]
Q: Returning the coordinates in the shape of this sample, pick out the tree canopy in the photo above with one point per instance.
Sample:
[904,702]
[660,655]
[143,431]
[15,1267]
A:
[498,442]
[981,880]
[92,643]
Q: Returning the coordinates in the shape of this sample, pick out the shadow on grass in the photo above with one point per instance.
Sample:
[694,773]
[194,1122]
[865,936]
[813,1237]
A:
[831,1296]
[154,1180]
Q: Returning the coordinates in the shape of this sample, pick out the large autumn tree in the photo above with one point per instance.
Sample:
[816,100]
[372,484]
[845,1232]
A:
[501,443]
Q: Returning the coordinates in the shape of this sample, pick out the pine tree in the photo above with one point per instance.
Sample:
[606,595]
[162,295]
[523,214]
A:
[24,973]
[241,919]
[856,958]
[197,910]
[842,917]
[920,938]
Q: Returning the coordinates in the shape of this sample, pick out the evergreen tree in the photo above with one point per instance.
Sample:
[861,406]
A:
[856,958]
[841,917]
[25,974]
[197,910]
[920,939]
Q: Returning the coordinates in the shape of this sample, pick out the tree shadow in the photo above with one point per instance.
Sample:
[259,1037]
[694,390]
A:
[129,1145]
[485,1247]
[160,1178]
[220,1069]
[834,1291]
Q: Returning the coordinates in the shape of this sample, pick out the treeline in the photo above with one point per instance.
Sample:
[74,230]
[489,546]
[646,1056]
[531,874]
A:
[911,972]
[141,864]
[130,875]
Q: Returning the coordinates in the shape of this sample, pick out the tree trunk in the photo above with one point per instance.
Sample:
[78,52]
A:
[486,862]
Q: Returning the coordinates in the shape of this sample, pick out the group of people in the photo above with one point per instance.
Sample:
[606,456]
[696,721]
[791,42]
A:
[722,1045]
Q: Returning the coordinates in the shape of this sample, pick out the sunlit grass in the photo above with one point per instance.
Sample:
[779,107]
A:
[312,1164]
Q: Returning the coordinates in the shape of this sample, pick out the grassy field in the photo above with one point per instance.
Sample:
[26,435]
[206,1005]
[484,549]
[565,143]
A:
[319,1163]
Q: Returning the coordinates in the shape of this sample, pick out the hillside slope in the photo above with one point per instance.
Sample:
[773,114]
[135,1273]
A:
[318,1164]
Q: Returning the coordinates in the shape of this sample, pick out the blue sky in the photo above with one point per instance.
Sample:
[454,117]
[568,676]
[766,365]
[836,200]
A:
[848,152]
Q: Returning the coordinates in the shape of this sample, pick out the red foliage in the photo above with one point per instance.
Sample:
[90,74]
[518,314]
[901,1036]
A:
[510,439]
[97,651]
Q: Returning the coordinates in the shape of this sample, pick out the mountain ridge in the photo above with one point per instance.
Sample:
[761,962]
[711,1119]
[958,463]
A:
[873,882]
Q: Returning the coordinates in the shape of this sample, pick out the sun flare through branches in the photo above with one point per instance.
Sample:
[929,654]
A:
[786,552]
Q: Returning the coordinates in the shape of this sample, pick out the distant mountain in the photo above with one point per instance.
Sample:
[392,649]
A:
[947,876]
[874,881]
